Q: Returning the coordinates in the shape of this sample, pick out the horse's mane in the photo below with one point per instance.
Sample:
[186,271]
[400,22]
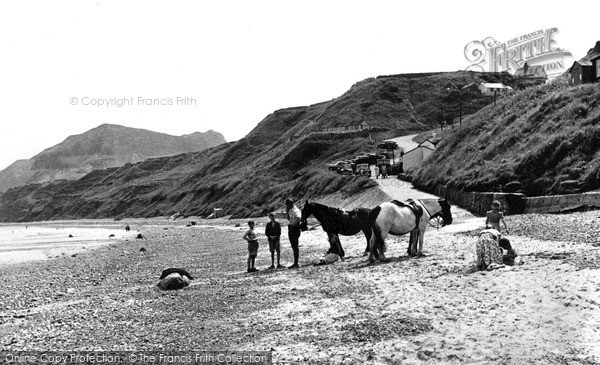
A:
[331,210]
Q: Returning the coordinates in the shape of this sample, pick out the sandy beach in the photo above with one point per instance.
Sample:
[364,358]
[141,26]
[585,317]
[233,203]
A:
[434,309]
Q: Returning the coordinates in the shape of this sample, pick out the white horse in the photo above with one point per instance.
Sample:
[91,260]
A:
[398,219]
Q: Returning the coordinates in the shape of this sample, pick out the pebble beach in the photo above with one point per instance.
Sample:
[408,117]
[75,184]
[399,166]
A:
[433,309]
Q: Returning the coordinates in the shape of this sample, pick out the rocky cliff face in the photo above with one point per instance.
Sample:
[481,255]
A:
[103,147]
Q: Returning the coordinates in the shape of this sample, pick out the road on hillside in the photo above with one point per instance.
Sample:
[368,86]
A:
[405,142]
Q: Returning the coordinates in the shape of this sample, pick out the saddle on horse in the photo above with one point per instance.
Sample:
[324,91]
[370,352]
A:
[414,207]
[418,212]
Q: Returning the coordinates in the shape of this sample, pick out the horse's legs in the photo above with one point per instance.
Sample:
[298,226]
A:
[377,242]
[381,245]
[368,234]
[421,240]
[335,246]
[332,243]
[371,248]
[411,243]
[338,243]
[376,246]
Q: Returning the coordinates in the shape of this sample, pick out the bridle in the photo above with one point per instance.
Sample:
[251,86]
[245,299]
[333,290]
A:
[436,215]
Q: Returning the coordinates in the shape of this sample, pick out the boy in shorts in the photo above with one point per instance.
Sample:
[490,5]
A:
[494,217]
[252,240]
[273,233]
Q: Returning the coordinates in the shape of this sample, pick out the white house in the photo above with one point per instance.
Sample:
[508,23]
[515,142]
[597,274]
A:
[415,157]
[493,88]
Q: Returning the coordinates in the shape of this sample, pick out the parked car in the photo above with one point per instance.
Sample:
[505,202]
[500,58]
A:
[363,170]
[336,166]
[346,169]
[366,159]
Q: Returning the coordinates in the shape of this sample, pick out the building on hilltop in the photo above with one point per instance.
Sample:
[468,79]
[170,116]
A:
[356,126]
[494,88]
[359,126]
[582,72]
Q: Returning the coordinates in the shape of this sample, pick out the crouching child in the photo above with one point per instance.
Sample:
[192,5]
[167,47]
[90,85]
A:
[511,254]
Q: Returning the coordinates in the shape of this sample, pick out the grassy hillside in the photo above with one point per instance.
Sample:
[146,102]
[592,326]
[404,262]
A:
[546,138]
[283,156]
[243,179]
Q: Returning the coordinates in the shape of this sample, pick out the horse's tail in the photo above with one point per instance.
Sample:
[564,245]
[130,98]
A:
[379,245]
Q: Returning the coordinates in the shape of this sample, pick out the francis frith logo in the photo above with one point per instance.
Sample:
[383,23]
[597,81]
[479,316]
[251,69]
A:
[531,51]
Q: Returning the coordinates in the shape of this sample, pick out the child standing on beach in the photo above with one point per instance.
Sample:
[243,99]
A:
[494,217]
[252,240]
[273,233]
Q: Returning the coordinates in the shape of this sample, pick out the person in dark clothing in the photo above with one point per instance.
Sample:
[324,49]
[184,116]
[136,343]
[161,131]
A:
[511,254]
[273,233]
[294,215]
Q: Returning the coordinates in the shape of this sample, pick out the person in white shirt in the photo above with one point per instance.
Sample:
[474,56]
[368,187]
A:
[294,215]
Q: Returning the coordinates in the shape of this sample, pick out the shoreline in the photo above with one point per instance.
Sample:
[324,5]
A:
[90,234]
[35,241]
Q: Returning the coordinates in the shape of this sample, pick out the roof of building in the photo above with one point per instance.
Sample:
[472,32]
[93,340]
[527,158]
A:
[470,85]
[359,122]
[416,148]
[583,63]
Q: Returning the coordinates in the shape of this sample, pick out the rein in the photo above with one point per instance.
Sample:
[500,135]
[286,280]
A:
[430,215]
[436,227]
[424,206]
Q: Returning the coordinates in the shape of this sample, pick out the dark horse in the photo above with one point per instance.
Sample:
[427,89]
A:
[335,221]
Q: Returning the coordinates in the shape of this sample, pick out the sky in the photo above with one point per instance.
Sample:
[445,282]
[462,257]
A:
[179,67]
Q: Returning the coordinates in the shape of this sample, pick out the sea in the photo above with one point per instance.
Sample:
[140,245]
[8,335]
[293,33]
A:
[26,242]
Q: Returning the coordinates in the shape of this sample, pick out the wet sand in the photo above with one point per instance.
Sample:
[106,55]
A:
[434,309]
